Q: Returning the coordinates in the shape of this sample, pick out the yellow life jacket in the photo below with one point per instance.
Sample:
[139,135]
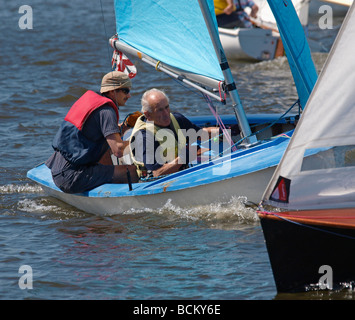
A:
[219,6]
[166,138]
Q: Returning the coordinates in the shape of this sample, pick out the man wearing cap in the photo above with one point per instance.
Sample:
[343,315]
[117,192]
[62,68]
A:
[88,133]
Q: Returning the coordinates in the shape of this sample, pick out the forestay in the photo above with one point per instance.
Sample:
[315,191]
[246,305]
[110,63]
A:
[317,170]
[173,32]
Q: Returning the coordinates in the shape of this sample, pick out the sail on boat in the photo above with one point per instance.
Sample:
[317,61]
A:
[307,212]
[184,44]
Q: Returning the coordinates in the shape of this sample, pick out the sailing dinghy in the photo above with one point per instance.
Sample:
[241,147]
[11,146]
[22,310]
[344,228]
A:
[262,42]
[188,49]
[307,212]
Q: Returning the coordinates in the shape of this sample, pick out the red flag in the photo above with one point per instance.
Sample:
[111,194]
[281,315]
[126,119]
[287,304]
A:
[281,191]
[121,63]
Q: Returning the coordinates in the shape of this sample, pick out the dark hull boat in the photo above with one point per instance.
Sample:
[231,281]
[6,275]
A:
[310,249]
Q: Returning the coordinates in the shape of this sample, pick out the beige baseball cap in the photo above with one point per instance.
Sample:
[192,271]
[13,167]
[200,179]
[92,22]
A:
[115,80]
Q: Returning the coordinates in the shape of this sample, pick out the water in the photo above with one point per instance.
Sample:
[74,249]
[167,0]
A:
[212,252]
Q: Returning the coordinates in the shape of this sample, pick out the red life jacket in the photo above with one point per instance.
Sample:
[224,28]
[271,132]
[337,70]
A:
[69,140]
[85,105]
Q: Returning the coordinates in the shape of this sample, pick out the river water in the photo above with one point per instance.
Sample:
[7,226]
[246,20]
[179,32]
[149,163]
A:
[214,252]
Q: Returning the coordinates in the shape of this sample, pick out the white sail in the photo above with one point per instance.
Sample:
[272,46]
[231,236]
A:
[319,163]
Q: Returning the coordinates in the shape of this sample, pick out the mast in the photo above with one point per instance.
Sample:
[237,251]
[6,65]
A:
[230,84]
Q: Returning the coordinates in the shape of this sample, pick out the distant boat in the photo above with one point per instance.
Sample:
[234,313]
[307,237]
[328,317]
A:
[251,43]
[307,212]
[185,45]
[262,42]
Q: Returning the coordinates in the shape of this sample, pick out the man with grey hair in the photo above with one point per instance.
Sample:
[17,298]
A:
[89,133]
[144,101]
[160,141]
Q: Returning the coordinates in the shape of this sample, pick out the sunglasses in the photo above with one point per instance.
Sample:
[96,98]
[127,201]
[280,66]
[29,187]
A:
[124,90]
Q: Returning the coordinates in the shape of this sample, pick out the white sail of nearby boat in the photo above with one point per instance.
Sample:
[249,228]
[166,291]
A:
[307,213]
[317,170]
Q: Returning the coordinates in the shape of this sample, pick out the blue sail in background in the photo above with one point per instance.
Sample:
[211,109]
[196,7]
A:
[170,31]
[296,47]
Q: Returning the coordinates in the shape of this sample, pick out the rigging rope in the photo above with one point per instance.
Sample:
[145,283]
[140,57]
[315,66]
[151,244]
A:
[261,130]
[272,123]
[107,45]
[220,122]
[103,21]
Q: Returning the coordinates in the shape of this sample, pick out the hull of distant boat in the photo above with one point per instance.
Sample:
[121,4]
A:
[250,44]
[307,247]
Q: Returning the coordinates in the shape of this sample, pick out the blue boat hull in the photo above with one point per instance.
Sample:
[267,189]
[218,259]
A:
[245,173]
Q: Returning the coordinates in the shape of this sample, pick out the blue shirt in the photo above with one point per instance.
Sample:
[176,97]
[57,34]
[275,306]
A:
[243,16]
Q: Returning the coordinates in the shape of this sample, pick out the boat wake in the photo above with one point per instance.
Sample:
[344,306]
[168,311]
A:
[48,209]
[37,206]
[34,202]
[217,215]
[25,188]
